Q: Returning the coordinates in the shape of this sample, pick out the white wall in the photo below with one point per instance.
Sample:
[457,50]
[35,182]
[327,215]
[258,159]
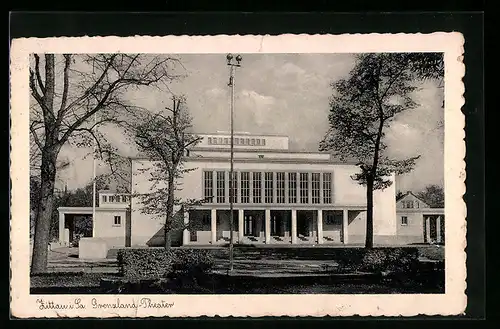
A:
[384,210]
[143,226]
[105,227]
[256,155]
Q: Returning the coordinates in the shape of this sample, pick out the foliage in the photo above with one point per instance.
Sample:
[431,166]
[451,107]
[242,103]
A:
[395,260]
[71,96]
[165,139]
[399,195]
[433,195]
[362,107]
[81,197]
[157,263]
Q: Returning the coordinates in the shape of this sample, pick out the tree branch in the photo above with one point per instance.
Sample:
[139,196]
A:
[38,75]
[67,63]
[89,90]
[35,136]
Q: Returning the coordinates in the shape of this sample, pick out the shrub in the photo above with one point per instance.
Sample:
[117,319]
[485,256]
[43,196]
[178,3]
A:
[397,260]
[192,263]
[156,263]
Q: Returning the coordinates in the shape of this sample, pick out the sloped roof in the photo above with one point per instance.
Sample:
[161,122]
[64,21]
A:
[410,193]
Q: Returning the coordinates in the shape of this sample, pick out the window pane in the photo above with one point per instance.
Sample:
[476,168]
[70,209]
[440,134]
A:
[292,187]
[234,188]
[269,187]
[304,188]
[327,187]
[280,187]
[221,187]
[208,183]
[245,187]
[315,187]
[257,185]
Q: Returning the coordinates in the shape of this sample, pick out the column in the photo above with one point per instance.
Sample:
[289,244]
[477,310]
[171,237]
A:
[345,226]
[427,229]
[241,225]
[185,233]
[61,228]
[438,229]
[213,225]
[294,226]
[320,226]
[268,225]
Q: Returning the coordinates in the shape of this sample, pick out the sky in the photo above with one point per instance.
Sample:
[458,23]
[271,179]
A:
[284,94]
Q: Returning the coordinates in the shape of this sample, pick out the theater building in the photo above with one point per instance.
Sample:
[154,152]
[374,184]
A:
[280,197]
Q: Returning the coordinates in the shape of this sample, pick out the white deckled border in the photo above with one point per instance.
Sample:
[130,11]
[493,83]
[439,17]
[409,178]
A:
[452,302]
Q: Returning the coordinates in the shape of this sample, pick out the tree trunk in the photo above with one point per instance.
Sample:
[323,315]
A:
[43,217]
[170,212]
[369,213]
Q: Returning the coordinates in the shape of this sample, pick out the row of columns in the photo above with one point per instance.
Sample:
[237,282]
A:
[267,230]
[428,229]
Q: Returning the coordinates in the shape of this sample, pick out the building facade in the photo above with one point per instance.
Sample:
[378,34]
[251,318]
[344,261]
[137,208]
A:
[418,222]
[279,197]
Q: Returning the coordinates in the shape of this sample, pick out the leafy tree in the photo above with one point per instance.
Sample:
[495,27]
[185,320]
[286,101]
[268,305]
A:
[378,88]
[64,104]
[165,139]
[399,194]
[433,195]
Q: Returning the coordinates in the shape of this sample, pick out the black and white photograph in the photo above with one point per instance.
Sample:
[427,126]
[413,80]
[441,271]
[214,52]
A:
[235,173]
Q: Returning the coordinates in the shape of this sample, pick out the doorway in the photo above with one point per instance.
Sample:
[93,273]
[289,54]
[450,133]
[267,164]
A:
[304,220]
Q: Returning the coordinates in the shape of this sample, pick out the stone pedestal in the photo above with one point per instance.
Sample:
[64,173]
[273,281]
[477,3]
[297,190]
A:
[92,248]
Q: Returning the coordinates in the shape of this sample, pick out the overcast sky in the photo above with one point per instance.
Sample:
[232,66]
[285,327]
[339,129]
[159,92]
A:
[286,94]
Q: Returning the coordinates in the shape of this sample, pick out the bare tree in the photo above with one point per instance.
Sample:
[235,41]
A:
[378,88]
[165,139]
[65,109]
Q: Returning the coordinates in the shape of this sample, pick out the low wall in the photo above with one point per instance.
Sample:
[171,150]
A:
[92,248]
[386,240]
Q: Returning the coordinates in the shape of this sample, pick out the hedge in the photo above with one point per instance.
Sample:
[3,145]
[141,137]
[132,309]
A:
[396,260]
[157,263]
[154,263]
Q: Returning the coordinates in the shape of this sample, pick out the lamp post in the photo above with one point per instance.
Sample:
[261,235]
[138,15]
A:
[232,65]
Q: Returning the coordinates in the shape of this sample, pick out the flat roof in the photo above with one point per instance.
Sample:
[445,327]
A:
[263,160]
[242,134]
[255,150]
[87,210]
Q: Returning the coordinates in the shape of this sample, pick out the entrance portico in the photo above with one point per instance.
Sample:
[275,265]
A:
[433,222]
[268,226]
[111,224]
[66,228]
